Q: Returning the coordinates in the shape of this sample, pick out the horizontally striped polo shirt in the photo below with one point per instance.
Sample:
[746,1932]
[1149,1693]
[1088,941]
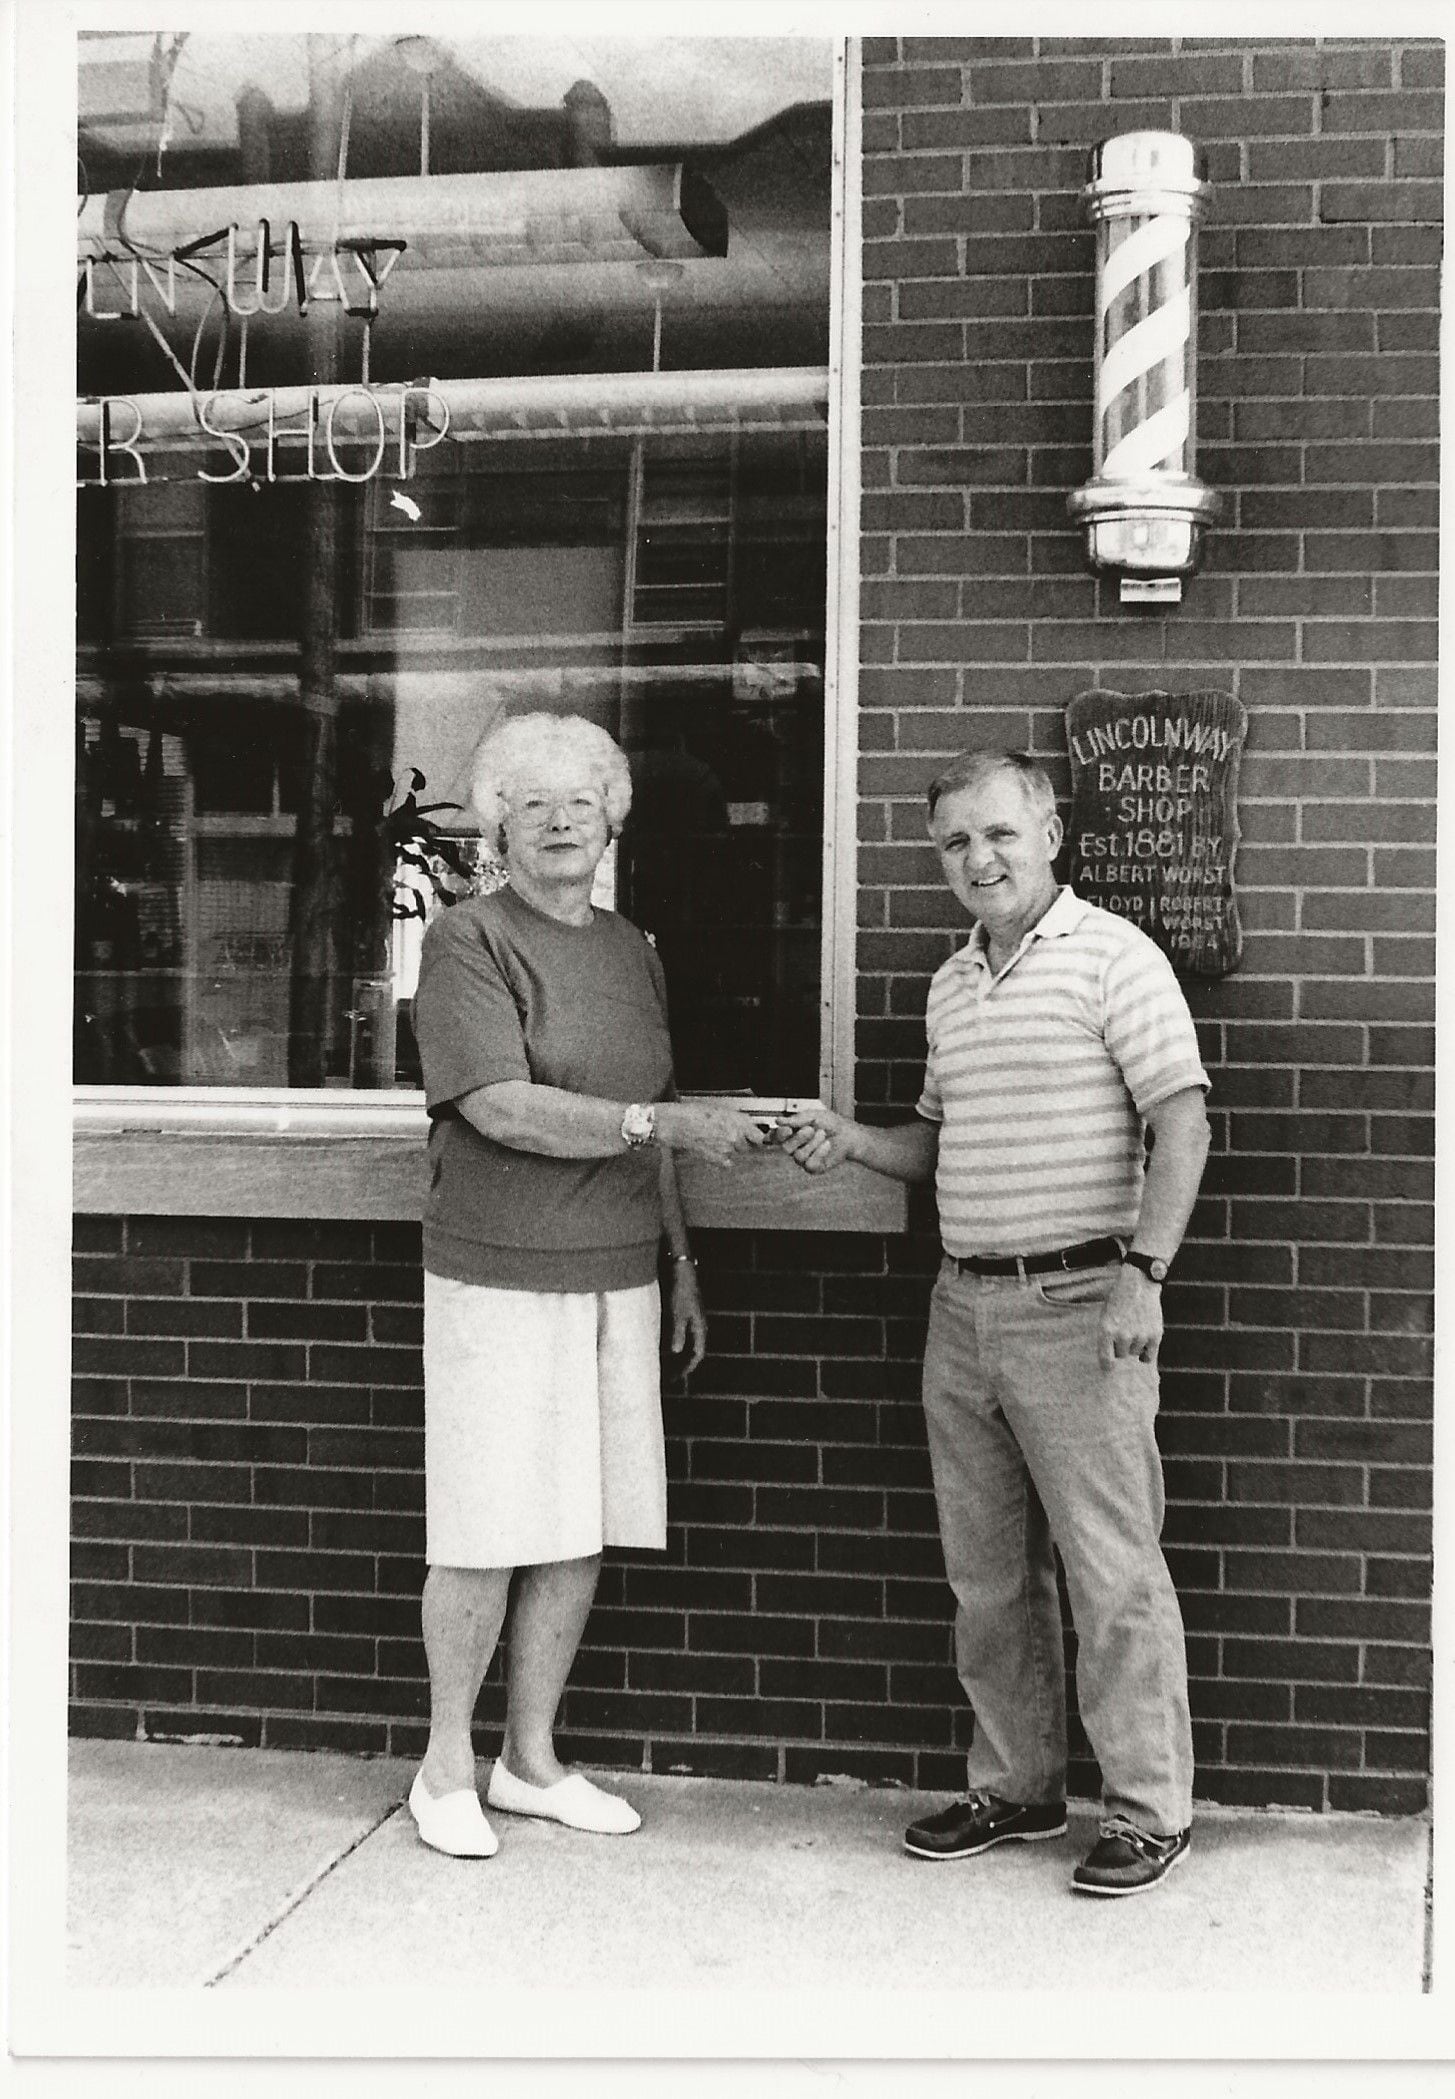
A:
[1041,1078]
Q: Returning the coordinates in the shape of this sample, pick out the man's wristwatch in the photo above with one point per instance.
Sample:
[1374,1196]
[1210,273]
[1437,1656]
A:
[639,1125]
[1151,1265]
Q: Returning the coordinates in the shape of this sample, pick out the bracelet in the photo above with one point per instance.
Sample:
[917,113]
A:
[682,1257]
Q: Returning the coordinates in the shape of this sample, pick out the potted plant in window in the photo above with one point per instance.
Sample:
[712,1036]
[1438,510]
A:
[420,868]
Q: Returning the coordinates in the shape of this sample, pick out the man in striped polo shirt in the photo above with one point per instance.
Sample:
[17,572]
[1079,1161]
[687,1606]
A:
[1058,1039]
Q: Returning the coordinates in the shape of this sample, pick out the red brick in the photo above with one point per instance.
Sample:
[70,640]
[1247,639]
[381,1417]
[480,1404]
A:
[911,258]
[1326,1747]
[1403,203]
[1372,462]
[1314,66]
[1418,156]
[1190,72]
[966,128]
[1401,246]
[908,175]
[255,1279]
[1371,552]
[882,219]
[113,1272]
[952,644]
[1271,1787]
[1422,65]
[1388,641]
[1083,123]
[912,87]
[899,343]
[1402,1488]
[1395,1665]
[1319,159]
[1263,204]
[1401,113]
[128,1357]
[390,1282]
[1257,117]
[1407,597]
[932,49]
[1401,686]
[1294,1573]
[1359,286]
[1373,376]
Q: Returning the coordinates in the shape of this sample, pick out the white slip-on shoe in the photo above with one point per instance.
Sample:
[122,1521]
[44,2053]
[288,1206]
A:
[573,1801]
[454,1824]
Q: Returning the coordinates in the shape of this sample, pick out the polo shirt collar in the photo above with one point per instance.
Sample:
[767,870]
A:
[1062,916]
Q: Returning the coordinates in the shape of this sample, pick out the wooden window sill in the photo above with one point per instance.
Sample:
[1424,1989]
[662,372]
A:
[294,1160]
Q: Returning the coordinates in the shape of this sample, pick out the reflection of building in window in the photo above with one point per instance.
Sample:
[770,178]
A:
[638,557]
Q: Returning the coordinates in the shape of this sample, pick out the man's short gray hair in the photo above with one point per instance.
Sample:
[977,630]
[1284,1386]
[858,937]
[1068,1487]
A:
[971,767]
[508,753]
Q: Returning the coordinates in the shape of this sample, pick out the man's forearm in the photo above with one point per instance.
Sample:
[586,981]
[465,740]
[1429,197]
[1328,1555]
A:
[906,1152]
[1174,1173]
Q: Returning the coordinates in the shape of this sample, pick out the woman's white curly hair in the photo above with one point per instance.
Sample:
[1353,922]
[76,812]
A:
[508,753]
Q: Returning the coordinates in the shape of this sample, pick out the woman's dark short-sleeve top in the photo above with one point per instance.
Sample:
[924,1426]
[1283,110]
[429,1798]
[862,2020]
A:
[506,992]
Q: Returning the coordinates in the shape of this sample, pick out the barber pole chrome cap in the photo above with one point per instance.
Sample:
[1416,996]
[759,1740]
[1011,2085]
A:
[1144,507]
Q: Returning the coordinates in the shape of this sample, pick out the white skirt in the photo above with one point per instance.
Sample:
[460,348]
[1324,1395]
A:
[542,1423]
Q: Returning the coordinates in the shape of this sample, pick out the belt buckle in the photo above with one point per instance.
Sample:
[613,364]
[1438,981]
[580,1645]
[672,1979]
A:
[1022,1273]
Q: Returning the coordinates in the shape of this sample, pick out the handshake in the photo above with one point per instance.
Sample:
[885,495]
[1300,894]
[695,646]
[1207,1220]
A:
[723,1133]
[809,1132]
[816,1137]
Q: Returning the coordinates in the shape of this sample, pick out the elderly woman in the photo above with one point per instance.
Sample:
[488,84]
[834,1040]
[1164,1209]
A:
[542,1028]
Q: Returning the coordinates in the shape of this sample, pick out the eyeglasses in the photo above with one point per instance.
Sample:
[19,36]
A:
[535,811]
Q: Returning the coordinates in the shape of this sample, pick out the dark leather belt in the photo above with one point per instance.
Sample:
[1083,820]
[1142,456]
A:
[1092,1253]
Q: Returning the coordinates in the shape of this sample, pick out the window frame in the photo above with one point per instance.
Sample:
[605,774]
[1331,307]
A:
[268,1151]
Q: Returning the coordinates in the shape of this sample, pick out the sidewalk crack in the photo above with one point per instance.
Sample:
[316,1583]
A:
[298,1897]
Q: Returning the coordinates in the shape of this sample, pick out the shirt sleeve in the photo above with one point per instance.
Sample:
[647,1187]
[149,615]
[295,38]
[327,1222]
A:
[466,1021]
[658,977]
[931,1103]
[1148,1028]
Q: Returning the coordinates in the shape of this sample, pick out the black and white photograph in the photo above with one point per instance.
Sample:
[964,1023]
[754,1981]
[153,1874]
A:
[722,815]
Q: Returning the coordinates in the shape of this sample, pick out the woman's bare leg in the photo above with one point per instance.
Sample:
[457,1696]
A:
[462,1611]
[547,1618]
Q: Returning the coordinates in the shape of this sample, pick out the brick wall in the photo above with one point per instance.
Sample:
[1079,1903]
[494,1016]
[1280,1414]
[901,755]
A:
[248,1512]
[1297,1396]
[248,1493]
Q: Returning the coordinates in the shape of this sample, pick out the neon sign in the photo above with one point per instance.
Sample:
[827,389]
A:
[354,432]
[260,274]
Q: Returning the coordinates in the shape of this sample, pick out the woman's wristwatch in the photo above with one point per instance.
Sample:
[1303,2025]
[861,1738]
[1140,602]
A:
[1151,1265]
[639,1125]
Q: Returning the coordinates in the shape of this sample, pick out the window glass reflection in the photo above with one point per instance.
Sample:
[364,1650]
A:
[284,670]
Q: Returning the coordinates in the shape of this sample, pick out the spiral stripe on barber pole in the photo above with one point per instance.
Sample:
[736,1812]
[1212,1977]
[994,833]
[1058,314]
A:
[1151,342]
[1148,244]
[1154,423]
[1157,442]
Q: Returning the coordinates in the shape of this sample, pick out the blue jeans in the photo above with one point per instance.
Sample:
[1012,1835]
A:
[1032,1443]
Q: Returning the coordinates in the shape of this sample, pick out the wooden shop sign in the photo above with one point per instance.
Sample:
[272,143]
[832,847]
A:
[1154,817]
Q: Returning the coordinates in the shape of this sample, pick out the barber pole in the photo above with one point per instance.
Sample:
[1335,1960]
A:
[1144,506]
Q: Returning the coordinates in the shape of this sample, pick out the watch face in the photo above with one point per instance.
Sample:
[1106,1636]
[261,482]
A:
[1157,1270]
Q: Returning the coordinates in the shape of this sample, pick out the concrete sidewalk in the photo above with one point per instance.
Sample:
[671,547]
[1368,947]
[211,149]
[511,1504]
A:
[234,1869]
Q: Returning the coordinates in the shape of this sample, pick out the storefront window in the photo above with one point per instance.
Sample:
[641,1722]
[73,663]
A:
[424,382]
